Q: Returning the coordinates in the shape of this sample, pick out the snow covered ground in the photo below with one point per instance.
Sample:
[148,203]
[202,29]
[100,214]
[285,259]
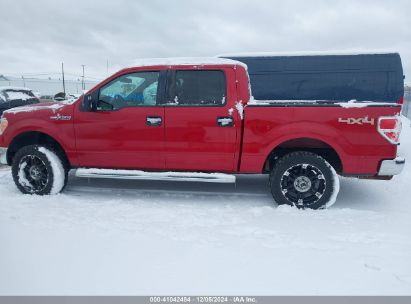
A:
[138,237]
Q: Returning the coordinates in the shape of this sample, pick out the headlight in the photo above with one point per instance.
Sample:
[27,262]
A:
[3,125]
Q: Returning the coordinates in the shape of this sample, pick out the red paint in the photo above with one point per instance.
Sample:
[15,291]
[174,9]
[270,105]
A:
[194,141]
[120,139]
[189,138]
[360,147]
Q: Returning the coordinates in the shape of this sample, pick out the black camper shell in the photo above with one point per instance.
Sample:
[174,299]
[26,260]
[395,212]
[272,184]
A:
[361,77]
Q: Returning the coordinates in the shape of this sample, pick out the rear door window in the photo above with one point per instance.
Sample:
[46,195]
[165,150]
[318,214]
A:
[199,88]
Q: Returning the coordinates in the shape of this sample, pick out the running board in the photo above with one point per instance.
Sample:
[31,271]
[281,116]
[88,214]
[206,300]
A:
[170,176]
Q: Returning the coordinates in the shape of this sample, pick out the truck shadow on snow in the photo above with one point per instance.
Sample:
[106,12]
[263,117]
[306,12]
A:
[252,190]
[249,190]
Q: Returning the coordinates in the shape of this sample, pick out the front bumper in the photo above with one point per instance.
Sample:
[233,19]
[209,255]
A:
[391,166]
[3,156]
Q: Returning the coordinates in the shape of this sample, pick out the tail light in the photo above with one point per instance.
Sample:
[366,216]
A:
[401,101]
[390,128]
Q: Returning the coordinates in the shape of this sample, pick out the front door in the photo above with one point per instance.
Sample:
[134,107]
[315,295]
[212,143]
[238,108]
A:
[201,127]
[127,128]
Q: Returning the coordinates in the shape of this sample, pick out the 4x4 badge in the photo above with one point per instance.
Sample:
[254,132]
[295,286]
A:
[357,121]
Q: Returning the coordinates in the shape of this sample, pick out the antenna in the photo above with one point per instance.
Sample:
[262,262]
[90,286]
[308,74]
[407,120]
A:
[64,84]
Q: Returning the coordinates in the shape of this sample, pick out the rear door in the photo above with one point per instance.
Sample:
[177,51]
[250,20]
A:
[201,123]
[127,130]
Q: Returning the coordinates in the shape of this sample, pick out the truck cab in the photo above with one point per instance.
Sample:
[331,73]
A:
[179,117]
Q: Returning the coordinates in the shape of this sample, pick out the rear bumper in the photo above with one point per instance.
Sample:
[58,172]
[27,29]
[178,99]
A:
[3,156]
[391,166]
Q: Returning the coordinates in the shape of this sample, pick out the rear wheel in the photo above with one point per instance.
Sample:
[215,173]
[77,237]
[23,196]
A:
[38,170]
[305,180]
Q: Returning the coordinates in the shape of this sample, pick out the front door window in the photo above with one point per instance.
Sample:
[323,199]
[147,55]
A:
[131,90]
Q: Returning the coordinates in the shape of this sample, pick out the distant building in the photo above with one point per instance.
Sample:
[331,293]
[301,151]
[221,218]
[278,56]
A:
[47,86]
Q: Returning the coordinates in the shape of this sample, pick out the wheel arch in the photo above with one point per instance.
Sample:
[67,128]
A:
[309,144]
[35,138]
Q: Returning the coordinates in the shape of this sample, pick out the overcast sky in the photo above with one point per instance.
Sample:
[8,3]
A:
[36,36]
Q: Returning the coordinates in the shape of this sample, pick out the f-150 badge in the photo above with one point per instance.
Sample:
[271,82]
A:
[357,121]
[60,117]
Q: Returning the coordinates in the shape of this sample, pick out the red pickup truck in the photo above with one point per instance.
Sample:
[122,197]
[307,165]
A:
[196,120]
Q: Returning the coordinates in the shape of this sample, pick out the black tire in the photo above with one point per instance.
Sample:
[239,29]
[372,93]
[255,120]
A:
[39,170]
[305,180]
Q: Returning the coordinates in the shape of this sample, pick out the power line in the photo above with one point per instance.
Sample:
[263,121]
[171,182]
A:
[83,87]
[28,81]
[86,78]
[51,74]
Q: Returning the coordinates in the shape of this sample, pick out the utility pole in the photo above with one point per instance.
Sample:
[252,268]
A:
[24,81]
[64,84]
[107,67]
[83,85]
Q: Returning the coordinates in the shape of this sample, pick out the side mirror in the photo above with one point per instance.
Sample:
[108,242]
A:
[90,102]
[93,104]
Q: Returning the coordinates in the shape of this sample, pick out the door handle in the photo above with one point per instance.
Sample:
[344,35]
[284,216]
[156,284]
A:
[154,121]
[225,121]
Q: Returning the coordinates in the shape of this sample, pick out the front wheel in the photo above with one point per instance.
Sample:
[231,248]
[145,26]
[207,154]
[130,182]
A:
[38,170]
[305,180]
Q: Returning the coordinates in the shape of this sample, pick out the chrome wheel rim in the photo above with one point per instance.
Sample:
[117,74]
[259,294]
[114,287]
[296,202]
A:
[303,185]
[33,174]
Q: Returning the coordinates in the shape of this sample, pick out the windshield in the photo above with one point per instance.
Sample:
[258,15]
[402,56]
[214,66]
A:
[2,97]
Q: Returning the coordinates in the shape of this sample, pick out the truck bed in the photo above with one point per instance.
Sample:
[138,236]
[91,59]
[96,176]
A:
[350,131]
